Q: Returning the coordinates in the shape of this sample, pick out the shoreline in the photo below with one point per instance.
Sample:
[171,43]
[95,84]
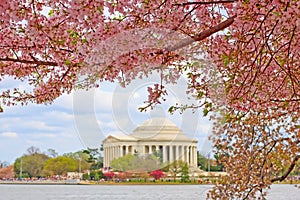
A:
[37,183]
[111,183]
[93,183]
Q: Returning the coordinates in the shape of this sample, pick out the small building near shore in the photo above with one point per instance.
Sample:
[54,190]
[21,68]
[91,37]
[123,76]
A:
[74,175]
[157,135]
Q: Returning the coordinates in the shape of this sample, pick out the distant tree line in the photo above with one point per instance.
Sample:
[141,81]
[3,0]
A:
[35,163]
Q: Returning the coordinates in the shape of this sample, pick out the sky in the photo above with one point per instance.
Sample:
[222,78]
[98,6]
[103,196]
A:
[84,118]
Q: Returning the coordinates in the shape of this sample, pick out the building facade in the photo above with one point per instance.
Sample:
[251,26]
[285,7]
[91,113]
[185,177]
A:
[157,135]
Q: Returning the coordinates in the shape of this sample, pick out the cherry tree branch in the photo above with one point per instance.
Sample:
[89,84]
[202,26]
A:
[205,3]
[29,61]
[204,34]
[290,169]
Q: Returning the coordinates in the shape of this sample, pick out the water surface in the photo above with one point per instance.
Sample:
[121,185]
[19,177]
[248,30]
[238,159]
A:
[125,192]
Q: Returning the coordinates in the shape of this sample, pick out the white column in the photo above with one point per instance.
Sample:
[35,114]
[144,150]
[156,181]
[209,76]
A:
[181,153]
[171,156]
[104,157]
[187,155]
[164,153]
[195,156]
[111,149]
[107,156]
[192,155]
[121,150]
[150,149]
[112,153]
[156,148]
[117,152]
[126,150]
[177,155]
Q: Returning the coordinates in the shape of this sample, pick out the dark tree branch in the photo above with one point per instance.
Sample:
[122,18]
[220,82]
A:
[205,3]
[36,62]
[203,34]
[285,100]
[290,169]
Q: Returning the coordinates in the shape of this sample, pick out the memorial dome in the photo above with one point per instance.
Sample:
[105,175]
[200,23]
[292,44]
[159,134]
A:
[159,129]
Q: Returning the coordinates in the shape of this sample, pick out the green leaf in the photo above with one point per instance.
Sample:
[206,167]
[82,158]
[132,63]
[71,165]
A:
[171,109]
[100,9]
[205,112]
[200,94]
[225,60]
[74,34]
[51,12]
[84,40]
[21,30]
[68,62]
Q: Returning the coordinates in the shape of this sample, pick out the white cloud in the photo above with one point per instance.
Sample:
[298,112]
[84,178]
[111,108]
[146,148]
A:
[22,123]
[9,134]
[42,135]
[62,116]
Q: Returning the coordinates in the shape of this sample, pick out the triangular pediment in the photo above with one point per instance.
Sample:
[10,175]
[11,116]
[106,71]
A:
[111,139]
[114,138]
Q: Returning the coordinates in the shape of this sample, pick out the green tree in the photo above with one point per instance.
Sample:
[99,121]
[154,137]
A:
[3,164]
[146,163]
[123,163]
[96,175]
[95,157]
[59,165]
[201,161]
[52,153]
[185,173]
[159,155]
[206,164]
[33,150]
[175,168]
[80,158]
[86,176]
[32,165]
[135,162]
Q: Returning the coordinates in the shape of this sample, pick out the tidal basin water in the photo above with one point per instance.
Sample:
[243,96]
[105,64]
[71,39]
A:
[125,192]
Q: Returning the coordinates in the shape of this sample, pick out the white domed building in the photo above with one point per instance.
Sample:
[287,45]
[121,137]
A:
[154,135]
